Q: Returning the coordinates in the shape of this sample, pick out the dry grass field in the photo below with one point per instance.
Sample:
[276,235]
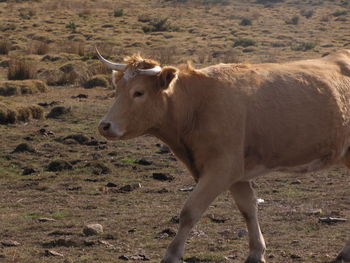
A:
[57,174]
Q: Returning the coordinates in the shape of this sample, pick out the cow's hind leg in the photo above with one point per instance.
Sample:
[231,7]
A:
[207,189]
[245,199]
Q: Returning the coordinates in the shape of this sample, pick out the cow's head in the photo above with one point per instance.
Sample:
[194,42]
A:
[140,101]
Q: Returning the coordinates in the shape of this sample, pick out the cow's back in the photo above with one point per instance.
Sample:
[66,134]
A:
[299,113]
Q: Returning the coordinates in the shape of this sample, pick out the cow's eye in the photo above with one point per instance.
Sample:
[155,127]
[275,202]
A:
[138,94]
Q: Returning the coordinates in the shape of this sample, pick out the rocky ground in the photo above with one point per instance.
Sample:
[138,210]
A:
[68,195]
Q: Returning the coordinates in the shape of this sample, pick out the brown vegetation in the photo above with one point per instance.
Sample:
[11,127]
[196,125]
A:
[21,87]
[58,40]
[21,68]
[12,113]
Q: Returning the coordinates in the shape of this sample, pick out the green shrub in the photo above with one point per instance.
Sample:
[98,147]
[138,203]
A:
[293,21]
[71,25]
[118,12]
[307,13]
[340,13]
[244,42]
[158,25]
[304,46]
[246,22]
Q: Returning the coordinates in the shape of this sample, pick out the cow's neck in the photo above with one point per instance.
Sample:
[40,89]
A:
[179,123]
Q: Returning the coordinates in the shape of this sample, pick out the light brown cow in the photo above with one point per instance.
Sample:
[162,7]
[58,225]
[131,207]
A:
[230,123]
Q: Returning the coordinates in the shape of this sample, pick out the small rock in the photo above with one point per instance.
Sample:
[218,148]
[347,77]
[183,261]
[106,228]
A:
[163,177]
[331,220]
[296,182]
[128,188]
[59,165]
[93,229]
[111,185]
[143,162]
[163,149]
[89,243]
[175,220]
[98,168]
[58,111]
[260,201]
[242,233]
[123,257]
[162,191]
[46,104]
[80,96]
[80,138]
[46,219]
[140,257]
[168,232]
[187,189]
[106,243]
[28,170]
[294,256]
[315,212]
[10,243]
[24,147]
[114,153]
[53,253]
[217,218]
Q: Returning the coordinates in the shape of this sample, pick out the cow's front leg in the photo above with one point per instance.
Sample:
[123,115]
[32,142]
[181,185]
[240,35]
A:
[344,255]
[244,196]
[207,189]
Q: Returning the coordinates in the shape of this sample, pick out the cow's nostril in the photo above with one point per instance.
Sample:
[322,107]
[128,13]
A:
[106,126]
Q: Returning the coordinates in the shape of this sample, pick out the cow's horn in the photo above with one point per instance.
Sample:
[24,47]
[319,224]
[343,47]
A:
[150,72]
[109,64]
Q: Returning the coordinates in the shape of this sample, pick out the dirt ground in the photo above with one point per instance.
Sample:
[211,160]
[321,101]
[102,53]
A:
[67,176]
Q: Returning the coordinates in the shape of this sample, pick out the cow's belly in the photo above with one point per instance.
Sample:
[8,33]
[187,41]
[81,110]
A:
[314,165]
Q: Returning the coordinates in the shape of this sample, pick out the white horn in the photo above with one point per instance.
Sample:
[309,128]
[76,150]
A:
[150,72]
[109,64]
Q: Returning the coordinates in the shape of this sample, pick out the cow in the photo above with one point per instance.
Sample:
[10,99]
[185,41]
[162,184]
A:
[230,123]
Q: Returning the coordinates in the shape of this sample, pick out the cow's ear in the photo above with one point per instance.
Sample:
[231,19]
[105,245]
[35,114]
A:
[167,75]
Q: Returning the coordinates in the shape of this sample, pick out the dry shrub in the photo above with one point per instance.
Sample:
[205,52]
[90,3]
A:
[97,81]
[20,69]
[75,73]
[109,51]
[12,113]
[38,47]
[97,68]
[227,56]
[71,47]
[165,55]
[26,13]
[5,46]
[21,87]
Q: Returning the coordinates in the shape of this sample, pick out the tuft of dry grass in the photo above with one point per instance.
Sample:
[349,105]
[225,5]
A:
[20,69]
[39,47]
[165,55]
[5,46]
[22,87]
[71,47]
[16,112]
